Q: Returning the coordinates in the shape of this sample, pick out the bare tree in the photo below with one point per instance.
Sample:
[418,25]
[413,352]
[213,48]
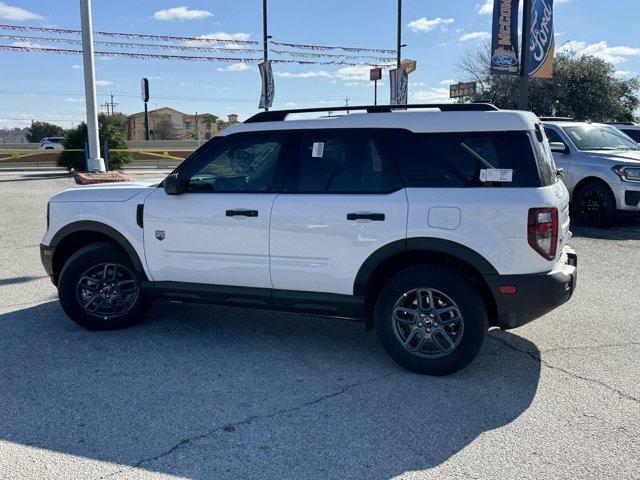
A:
[164,130]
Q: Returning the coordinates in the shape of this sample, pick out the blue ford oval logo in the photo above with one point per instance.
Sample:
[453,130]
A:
[504,60]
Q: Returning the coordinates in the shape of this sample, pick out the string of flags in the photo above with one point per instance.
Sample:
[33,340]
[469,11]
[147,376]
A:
[355,55]
[184,47]
[154,56]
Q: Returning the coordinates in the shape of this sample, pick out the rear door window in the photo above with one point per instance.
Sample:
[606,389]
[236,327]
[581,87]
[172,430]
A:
[454,160]
[339,161]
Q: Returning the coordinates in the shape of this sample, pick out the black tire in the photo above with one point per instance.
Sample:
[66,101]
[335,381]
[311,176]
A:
[595,205]
[121,293]
[447,287]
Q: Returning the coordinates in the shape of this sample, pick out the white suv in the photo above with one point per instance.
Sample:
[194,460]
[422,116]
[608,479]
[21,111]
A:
[430,225]
[601,168]
[52,143]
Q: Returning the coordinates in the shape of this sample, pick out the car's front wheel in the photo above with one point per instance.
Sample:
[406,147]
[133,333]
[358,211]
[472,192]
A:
[99,289]
[430,320]
[595,205]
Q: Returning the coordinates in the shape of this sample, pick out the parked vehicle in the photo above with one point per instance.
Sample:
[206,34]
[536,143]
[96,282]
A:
[601,169]
[51,143]
[629,128]
[431,226]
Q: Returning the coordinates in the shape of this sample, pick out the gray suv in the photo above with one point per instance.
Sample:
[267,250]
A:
[600,167]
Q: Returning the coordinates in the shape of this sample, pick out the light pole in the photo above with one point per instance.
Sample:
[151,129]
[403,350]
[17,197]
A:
[523,97]
[94,162]
[265,41]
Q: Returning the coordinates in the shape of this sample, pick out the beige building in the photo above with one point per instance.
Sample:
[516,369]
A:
[168,124]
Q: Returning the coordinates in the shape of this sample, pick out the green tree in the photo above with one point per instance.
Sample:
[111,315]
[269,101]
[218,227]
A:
[111,129]
[583,87]
[39,130]
[208,120]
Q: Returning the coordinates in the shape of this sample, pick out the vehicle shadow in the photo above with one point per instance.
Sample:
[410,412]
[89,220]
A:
[624,229]
[206,392]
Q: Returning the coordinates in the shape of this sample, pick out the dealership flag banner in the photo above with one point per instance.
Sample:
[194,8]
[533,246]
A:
[268,86]
[399,84]
[504,38]
[542,42]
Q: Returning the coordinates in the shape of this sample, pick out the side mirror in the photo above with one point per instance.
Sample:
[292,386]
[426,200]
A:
[173,185]
[559,147]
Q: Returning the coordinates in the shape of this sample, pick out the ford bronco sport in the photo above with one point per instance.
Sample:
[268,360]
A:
[431,225]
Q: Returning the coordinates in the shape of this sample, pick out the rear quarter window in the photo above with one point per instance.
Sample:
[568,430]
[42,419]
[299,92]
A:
[454,160]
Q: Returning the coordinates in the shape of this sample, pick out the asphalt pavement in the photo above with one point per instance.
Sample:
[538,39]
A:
[204,392]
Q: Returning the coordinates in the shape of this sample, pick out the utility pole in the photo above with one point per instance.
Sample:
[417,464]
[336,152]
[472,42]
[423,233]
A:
[113,105]
[346,101]
[523,97]
[265,40]
[399,40]
[94,162]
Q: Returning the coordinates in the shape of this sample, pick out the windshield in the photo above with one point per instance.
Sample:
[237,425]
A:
[599,137]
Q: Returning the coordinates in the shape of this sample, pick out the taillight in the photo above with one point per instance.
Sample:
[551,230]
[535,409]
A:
[543,231]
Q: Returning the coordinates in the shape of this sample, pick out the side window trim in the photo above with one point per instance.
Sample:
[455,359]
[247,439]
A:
[295,148]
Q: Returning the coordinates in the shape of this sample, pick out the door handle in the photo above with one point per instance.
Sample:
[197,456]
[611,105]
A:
[375,217]
[242,213]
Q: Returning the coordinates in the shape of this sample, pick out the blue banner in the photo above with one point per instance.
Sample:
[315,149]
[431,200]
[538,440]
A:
[268,85]
[399,85]
[504,38]
[541,40]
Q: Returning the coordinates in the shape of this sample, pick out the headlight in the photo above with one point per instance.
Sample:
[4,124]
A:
[629,174]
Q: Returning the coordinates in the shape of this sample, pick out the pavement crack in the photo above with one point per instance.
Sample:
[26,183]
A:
[595,381]
[246,421]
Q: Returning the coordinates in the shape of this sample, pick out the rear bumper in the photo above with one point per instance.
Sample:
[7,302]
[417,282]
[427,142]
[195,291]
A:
[535,294]
[46,257]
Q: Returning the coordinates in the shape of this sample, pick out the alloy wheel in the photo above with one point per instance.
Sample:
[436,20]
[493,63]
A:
[107,290]
[427,322]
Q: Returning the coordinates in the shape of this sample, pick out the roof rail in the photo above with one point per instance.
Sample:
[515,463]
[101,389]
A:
[558,119]
[279,115]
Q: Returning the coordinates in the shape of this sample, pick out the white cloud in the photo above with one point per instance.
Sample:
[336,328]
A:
[560,2]
[220,36]
[181,13]
[234,67]
[425,25]
[485,8]
[8,12]
[353,73]
[432,95]
[309,74]
[475,37]
[76,66]
[447,82]
[27,44]
[73,100]
[601,50]
[103,83]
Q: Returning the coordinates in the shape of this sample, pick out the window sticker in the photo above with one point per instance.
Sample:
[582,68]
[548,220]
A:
[496,175]
[318,150]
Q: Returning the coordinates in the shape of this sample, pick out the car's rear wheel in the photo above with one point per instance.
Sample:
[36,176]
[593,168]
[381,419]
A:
[99,289]
[430,320]
[595,205]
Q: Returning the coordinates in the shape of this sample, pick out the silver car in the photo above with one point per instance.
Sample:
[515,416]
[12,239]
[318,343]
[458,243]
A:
[600,167]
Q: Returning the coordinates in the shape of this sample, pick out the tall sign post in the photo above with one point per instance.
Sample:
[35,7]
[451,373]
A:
[523,91]
[375,74]
[94,162]
[267,77]
[144,90]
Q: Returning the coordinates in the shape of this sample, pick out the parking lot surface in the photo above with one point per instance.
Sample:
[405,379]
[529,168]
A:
[203,392]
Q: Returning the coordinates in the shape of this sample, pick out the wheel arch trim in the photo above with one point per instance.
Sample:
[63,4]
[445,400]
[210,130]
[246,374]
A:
[424,244]
[104,229]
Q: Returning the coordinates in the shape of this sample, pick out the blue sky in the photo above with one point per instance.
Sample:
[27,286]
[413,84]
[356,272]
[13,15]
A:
[438,34]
